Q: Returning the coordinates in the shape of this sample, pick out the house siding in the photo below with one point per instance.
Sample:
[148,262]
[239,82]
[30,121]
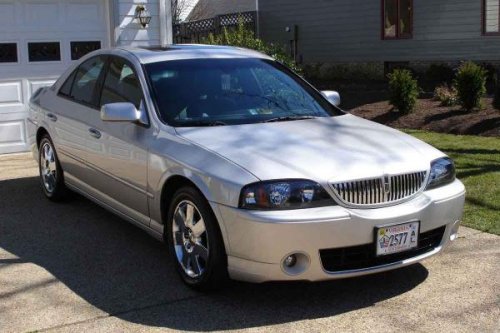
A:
[332,31]
[128,31]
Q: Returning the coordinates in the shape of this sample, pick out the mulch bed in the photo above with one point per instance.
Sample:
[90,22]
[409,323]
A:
[430,116]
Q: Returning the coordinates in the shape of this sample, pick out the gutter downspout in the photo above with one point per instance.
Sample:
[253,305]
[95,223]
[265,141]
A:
[165,17]
[257,29]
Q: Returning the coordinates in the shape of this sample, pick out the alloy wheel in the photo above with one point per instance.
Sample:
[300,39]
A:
[48,167]
[190,239]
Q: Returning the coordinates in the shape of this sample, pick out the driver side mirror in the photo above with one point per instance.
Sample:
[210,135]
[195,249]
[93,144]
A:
[332,96]
[123,112]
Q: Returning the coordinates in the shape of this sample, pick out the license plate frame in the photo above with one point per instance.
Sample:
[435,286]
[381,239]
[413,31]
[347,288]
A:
[395,229]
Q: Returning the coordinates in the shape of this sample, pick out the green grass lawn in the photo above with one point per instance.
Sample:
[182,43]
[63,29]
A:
[477,160]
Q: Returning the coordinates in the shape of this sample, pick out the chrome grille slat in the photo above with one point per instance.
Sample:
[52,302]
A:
[392,195]
[366,189]
[373,191]
[358,196]
[378,198]
[379,192]
[412,184]
[371,195]
[404,186]
[369,191]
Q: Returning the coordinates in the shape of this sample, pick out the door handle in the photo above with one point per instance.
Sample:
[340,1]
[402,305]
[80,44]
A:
[51,117]
[95,133]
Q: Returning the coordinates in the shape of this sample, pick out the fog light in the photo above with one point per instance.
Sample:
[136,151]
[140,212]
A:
[291,260]
[295,263]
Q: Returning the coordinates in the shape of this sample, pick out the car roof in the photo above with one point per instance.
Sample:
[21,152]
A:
[152,54]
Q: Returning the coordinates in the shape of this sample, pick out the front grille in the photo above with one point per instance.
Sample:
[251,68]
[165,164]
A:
[381,190]
[363,256]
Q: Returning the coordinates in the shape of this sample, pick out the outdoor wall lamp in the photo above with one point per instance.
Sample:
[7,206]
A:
[142,15]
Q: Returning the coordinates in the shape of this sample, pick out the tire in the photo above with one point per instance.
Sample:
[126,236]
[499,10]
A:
[196,249]
[51,173]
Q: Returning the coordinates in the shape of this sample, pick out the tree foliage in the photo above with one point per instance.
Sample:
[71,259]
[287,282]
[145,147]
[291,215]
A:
[242,36]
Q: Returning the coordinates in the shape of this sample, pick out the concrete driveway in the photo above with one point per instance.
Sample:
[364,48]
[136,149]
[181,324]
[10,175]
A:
[75,267]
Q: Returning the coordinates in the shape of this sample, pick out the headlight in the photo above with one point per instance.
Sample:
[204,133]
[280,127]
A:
[442,172]
[284,194]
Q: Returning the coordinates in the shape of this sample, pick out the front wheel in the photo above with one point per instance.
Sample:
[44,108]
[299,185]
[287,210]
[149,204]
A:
[51,175]
[195,241]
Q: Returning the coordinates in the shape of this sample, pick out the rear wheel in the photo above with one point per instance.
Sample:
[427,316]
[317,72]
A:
[195,242]
[51,175]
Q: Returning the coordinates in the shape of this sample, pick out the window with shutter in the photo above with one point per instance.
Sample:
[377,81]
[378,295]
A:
[397,19]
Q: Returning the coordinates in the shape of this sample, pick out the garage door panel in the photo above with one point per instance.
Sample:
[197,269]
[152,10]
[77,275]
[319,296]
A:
[84,14]
[35,13]
[7,14]
[12,132]
[11,95]
[12,135]
[35,85]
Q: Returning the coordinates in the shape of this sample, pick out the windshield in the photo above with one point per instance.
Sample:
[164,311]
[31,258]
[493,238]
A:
[211,92]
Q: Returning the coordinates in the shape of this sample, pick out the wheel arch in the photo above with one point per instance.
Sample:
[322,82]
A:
[176,181]
[41,131]
[170,186]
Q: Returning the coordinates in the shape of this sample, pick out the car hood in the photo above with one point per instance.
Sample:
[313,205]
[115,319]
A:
[323,149]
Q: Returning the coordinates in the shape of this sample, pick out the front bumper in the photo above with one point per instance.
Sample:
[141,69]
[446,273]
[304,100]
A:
[258,241]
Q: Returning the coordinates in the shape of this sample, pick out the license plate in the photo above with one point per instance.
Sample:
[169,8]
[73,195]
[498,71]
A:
[396,238]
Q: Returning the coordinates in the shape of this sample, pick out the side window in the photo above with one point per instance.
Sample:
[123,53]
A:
[66,87]
[121,84]
[85,81]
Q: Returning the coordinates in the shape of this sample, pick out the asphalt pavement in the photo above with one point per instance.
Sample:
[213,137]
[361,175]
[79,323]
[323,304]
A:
[74,267]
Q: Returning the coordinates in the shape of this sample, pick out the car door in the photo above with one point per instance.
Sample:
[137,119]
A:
[118,150]
[67,116]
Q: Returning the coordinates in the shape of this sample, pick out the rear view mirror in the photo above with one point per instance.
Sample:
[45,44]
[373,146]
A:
[332,96]
[122,112]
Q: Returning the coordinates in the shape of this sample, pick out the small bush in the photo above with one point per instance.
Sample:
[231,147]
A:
[490,77]
[313,71]
[242,36]
[496,96]
[470,83]
[439,73]
[446,95]
[354,72]
[403,89]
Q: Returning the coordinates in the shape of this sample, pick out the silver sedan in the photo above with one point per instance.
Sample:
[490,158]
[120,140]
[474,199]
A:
[242,167]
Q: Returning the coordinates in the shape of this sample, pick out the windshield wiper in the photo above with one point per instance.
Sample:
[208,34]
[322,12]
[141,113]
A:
[288,118]
[204,123]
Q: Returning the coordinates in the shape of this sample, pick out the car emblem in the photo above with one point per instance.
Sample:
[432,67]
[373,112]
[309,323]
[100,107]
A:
[387,186]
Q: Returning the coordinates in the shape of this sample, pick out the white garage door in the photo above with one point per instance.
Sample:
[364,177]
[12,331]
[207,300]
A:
[38,40]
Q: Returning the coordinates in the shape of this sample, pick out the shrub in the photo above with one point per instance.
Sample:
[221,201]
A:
[490,77]
[357,72]
[496,96]
[439,73]
[313,71]
[446,95]
[470,83]
[403,89]
[242,36]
